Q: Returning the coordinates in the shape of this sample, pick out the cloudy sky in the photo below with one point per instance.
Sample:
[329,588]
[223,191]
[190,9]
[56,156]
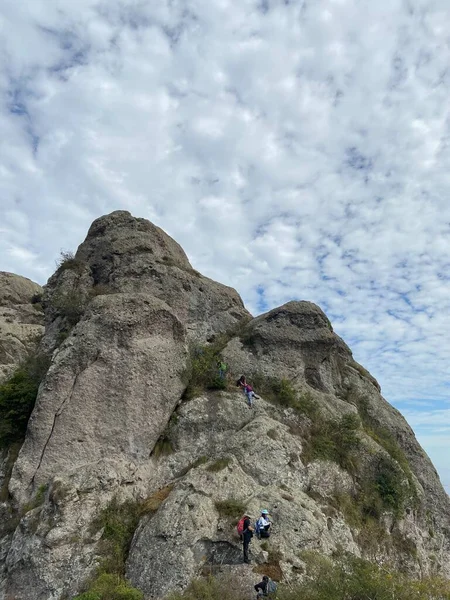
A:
[295,148]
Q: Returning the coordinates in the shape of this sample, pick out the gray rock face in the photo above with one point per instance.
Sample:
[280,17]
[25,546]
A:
[295,341]
[128,255]
[120,318]
[263,468]
[109,392]
[188,532]
[21,322]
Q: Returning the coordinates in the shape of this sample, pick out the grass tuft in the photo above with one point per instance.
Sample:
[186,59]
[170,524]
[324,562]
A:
[231,508]
[154,501]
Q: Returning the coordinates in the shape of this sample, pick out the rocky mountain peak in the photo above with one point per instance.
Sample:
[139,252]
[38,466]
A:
[119,234]
[126,255]
[136,430]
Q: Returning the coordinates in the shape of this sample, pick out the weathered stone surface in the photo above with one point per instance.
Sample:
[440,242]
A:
[129,255]
[108,395]
[188,532]
[119,320]
[109,392]
[21,322]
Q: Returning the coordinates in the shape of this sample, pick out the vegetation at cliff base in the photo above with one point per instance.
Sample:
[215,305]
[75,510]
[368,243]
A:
[17,398]
[346,578]
[118,522]
[108,586]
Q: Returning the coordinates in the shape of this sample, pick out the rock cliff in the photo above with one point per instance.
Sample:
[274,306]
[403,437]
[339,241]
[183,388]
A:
[21,320]
[132,423]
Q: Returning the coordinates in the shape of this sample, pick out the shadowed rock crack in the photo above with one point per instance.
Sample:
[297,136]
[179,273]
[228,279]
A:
[57,414]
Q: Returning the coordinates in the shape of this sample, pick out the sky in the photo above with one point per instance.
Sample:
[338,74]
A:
[296,149]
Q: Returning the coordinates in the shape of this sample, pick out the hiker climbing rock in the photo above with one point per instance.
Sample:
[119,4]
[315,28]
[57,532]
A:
[247,535]
[248,390]
[266,587]
[223,367]
[240,526]
[263,524]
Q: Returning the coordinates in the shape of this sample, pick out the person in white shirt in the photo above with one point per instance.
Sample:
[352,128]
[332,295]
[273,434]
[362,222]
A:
[263,525]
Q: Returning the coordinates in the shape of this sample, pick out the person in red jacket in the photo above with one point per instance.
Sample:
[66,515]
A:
[247,535]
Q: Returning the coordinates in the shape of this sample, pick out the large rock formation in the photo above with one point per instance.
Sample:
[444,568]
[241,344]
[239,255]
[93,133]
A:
[21,321]
[128,324]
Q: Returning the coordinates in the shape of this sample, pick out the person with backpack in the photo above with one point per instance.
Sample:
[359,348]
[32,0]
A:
[247,535]
[262,525]
[266,587]
[240,526]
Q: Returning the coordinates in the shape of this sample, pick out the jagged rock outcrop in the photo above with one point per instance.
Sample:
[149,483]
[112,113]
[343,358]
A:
[261,466]
[122,254]
[123,318]
[21,321]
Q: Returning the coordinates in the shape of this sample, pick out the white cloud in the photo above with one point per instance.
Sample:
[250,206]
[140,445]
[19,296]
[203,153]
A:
[299,150]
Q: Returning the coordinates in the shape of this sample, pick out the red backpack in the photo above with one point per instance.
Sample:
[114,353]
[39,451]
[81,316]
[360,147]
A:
[240,526]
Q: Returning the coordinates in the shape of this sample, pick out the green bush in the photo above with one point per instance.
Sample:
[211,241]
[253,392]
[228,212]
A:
[203,373]
[119,522]
[281,392]
[211,588]
[110,587]
[70,305]
[334,441]
[38,500]
[346,578]
[388,482]
[386,440]
[231,508]
[17,398]
[351,578]
[67,261]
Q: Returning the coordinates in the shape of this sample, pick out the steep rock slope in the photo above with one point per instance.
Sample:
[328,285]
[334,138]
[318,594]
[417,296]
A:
[119,317]
[21,322]
[264,457]
[130,325]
